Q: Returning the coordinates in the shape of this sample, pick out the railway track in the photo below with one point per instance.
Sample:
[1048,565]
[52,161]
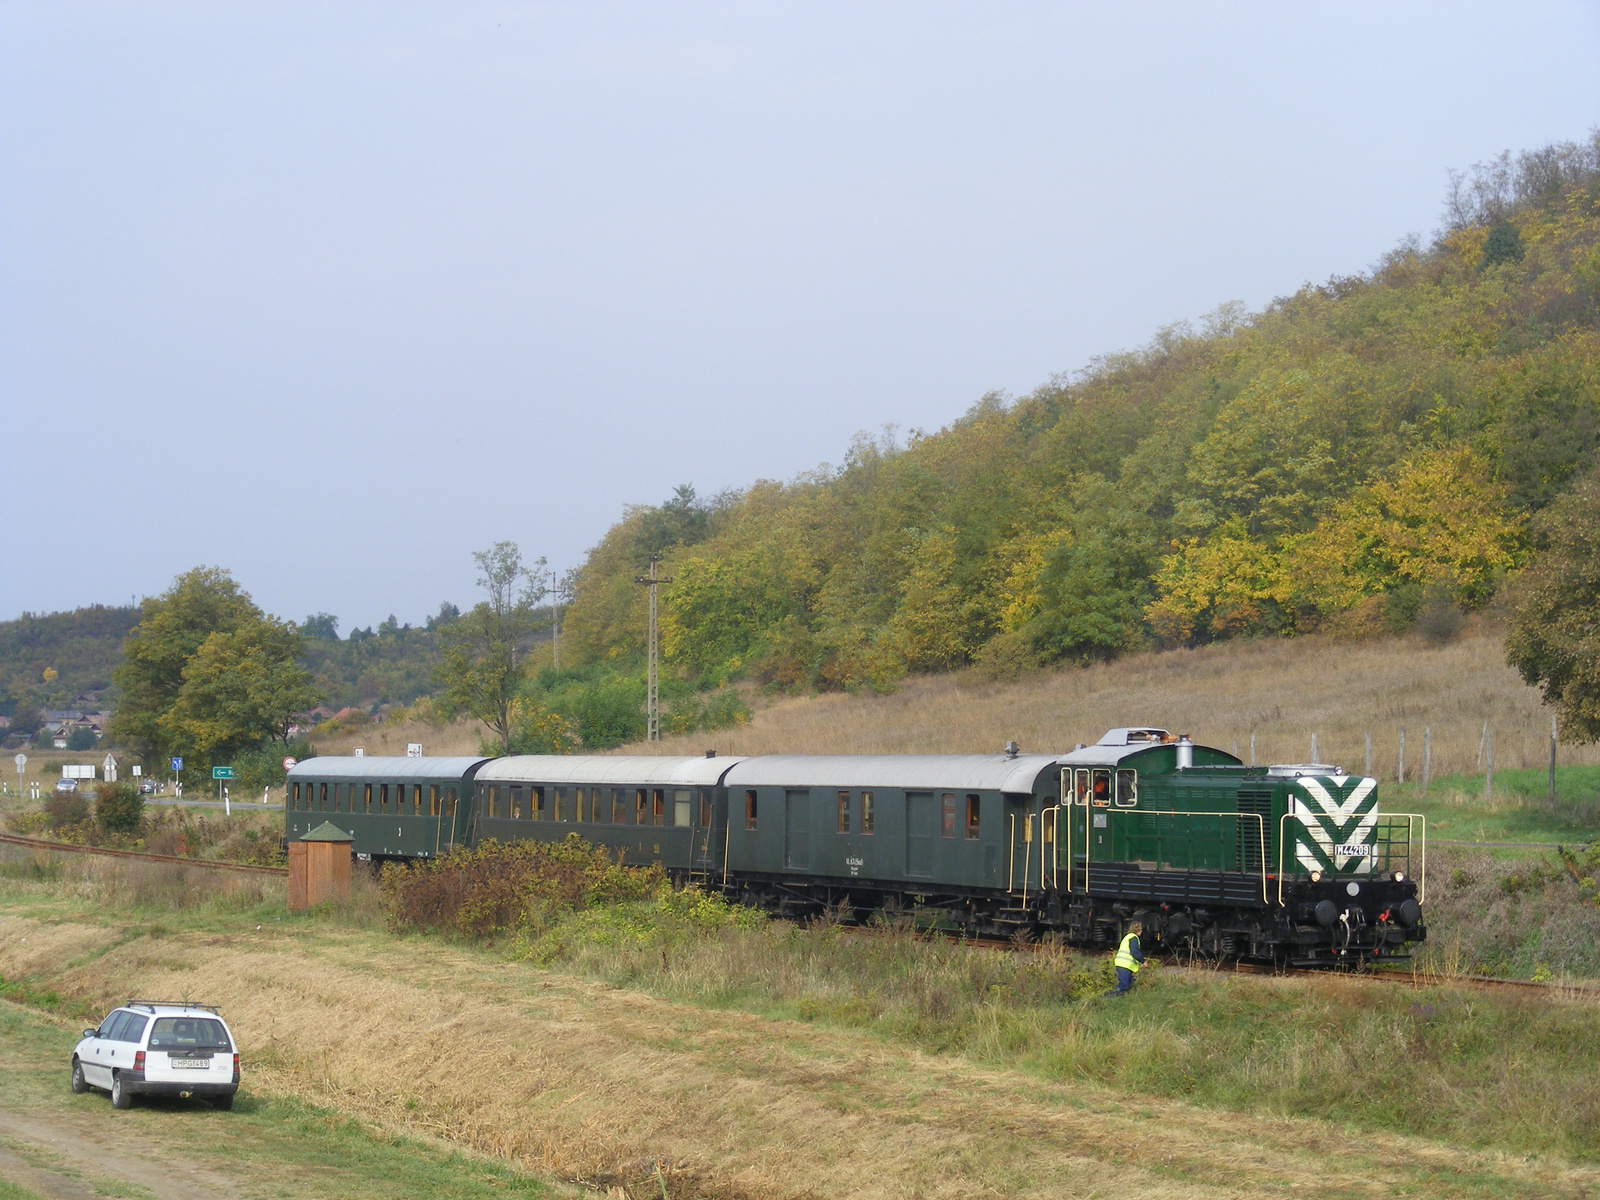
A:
[12,839]
[1409,978]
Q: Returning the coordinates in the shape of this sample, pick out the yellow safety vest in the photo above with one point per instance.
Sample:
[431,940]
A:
[1125,956]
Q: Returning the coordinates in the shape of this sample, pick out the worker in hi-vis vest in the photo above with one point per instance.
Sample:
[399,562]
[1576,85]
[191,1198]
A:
[1130,957]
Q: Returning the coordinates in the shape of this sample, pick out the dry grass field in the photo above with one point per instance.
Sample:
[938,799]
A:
[1280,690]
[615,1086]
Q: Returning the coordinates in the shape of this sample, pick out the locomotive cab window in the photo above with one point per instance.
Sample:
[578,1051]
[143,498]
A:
[750,810]
[1100,787]
[1080,787]
[1127,788]
[972,817]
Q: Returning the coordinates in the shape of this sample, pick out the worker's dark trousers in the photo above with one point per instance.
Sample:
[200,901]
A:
[1124,982]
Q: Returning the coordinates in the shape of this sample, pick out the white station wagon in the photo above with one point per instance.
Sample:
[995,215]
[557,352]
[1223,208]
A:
[151,1048]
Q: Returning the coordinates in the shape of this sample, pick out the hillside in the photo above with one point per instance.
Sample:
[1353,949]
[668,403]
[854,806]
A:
[1360,455]
[1282,690]
[81,648]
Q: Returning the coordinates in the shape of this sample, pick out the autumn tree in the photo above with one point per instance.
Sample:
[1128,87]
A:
[172,628]
[241,688]
[1554,638]
[485,650]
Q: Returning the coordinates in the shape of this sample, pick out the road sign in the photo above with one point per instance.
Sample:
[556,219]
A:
[222,772]
[21,760]
[110,765]
[359,752]
[288,763]
[137,770]
[413,749]
[177,764]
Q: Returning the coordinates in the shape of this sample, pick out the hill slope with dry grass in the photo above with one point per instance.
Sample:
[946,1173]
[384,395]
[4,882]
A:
[1280,690]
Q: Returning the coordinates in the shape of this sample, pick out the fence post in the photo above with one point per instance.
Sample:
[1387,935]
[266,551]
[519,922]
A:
[1427,757]
[1552,759]
[1400,776]
[1488,777]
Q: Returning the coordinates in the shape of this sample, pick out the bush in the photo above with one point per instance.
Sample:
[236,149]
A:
[495,888]
[118,808]
[66,808]
[1439,618]
[81,738]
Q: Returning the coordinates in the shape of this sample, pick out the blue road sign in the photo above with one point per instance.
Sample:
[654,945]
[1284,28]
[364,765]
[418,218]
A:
[177,764]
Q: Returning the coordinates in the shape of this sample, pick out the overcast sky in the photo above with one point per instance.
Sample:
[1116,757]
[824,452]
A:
[334,294]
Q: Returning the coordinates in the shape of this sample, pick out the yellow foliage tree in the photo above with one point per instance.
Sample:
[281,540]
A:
[1442,521]
[1227,585]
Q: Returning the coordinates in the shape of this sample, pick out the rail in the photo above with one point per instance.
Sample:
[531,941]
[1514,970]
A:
[68,848]
[1414,822]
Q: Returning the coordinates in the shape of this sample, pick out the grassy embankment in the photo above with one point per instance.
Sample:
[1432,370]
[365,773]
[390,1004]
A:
[757,1058]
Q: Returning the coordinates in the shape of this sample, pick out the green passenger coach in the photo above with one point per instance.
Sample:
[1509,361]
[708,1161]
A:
[392,807]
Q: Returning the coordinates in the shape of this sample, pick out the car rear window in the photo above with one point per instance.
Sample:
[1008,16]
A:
[182,1033]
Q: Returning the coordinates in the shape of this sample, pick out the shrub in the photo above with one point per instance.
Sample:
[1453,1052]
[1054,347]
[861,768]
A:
[495,888]
[66,808]
[1439,617]
[118,808]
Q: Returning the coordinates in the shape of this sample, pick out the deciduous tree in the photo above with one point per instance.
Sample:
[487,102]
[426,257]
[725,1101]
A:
[485,650]
[241,688]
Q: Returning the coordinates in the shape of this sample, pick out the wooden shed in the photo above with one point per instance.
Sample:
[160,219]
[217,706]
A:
[319,867]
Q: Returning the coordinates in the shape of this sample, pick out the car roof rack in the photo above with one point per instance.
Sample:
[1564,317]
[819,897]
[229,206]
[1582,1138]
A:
[152,1005]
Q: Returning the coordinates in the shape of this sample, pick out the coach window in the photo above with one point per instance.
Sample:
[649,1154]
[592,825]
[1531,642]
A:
[867,816]
[1100,788]
[705,808]
[658,806]
[750,810]
[1127,788]
[383,797]
[682,806]
[294,797]
[433,799]
[619,806]
[518,802]
[844,812]
[947,815]
[416,799]
[586,797]
[450,804]
[366,802]
[322,799]
[641,806]
[972,817]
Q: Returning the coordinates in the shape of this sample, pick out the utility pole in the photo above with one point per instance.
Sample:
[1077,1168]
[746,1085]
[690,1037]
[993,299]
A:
[555,635]
[652,702]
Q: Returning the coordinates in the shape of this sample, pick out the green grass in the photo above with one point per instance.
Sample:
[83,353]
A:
[1519,811]
[271,1146]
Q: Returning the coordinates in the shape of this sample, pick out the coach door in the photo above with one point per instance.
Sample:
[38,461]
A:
[710,832]
[797,829]
[922,831]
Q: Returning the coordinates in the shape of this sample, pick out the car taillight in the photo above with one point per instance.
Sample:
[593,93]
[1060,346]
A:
[235,1064]
[138,1061]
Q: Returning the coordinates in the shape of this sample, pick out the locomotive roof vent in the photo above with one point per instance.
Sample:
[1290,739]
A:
[1012,749]
[1134,736]
[1295,770]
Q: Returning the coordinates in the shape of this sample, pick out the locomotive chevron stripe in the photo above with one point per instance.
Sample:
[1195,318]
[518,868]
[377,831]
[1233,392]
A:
[1334,812]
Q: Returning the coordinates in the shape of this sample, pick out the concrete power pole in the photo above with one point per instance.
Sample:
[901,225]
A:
[652,699]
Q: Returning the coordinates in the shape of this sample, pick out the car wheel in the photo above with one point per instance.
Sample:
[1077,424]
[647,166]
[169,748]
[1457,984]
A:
[80,1085]
[121,1097]
[225,1103]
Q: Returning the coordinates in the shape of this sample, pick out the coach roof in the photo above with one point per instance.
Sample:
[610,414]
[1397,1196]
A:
[348,766]
[966,772]
[607,768]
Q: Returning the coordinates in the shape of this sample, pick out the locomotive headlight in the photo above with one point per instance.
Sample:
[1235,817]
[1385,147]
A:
[1399,876]
[1316,877]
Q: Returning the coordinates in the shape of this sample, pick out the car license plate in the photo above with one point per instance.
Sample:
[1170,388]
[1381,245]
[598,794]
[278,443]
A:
[190,1064]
